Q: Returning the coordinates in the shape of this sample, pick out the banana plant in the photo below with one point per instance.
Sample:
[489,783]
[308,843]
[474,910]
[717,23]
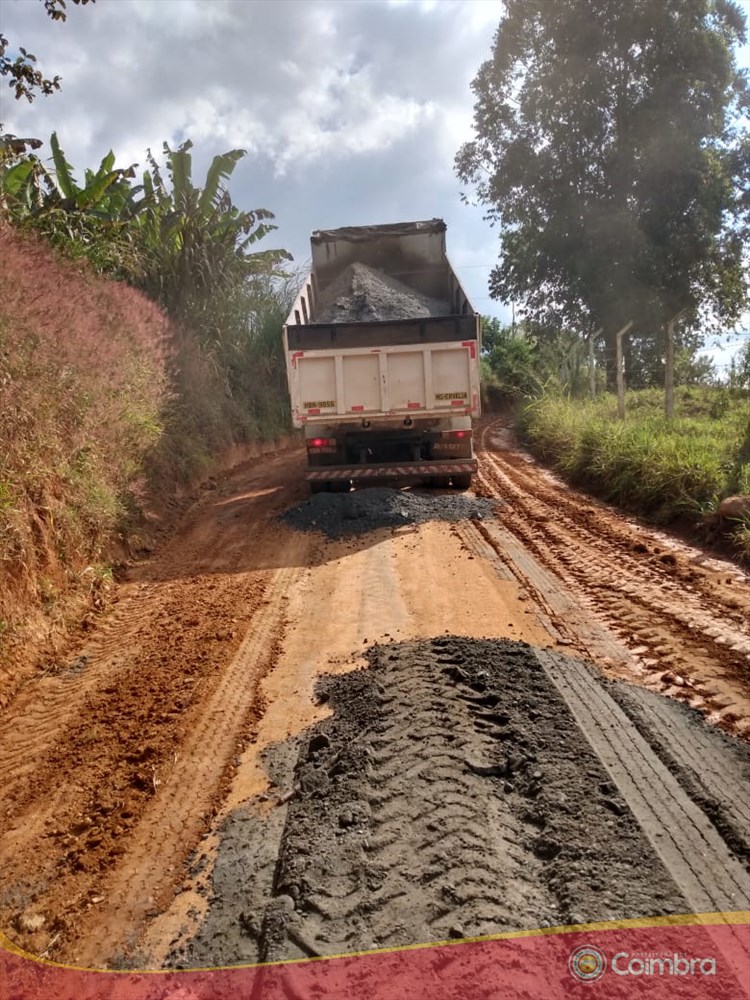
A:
[186,246]
[29,188]
[198,243]
[91,220]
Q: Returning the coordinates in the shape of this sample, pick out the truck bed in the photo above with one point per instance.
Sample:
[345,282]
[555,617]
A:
[348,371]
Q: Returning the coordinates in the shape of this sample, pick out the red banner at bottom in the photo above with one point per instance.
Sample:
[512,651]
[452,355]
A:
[691,957]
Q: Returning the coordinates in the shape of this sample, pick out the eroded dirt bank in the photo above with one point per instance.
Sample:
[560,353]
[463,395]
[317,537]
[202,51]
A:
[178,791]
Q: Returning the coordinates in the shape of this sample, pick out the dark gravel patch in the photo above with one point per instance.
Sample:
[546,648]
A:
[713,767]
[450,794]
[342,514]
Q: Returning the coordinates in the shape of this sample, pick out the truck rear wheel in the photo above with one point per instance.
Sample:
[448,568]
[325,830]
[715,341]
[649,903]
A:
[439,482]
[318,487]
[462,482]
[340,486]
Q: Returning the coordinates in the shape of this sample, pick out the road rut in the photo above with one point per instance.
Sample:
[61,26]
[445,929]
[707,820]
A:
[280,744]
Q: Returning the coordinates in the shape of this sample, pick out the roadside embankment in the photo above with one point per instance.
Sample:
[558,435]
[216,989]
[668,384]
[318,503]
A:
[83,382]
[106,412]
[668,470]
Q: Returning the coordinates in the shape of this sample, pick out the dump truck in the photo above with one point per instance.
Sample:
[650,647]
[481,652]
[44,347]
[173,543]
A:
[382,353]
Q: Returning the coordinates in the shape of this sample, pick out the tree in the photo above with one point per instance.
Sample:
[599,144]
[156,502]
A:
[521,361]
[739,372]
[610,148]
[644,360]
[24,77]
[26,80]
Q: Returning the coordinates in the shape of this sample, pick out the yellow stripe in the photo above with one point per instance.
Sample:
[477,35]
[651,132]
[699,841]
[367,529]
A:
[729,918]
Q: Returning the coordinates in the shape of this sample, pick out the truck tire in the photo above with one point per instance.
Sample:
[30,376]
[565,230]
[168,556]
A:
[318,487]
[439,482]
[462,482]
[340,486]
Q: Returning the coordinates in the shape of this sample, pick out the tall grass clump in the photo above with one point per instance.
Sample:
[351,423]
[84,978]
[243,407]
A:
[83,390]
[666,469]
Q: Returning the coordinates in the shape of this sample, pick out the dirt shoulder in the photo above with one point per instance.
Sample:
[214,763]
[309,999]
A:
[682,616]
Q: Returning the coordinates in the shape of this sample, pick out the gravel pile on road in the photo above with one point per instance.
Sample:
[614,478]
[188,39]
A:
[449,794]
[362,294]
[341,514]
[434,760]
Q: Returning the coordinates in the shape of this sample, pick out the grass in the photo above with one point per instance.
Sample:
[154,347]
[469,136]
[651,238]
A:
[668,470]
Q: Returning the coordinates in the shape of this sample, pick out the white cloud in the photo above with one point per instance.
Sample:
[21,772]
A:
[350,112]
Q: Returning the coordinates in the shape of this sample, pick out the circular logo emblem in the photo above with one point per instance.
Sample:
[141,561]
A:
[587,963]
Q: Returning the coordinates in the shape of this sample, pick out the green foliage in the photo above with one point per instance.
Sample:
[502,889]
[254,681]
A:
[645,360]
[103,403]
[197,244]
[512,359]
[739,374]
[234,392]
[201,263]
[92,220]
[610,146]
[648,464]
[196,254]
[181,244]
[521,361]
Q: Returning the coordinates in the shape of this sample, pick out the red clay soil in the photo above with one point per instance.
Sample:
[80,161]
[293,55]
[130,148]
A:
[114,765]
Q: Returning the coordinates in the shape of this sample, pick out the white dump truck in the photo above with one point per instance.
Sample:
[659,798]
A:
[382,352]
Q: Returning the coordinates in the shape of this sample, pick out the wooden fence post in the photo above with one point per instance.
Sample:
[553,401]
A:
[669,372]
[669,365]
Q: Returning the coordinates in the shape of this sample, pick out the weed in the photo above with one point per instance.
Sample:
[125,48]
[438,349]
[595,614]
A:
[646,463]
[741,539]
[6,497]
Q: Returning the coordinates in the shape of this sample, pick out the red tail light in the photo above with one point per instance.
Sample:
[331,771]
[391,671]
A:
[457,434]
[322,443]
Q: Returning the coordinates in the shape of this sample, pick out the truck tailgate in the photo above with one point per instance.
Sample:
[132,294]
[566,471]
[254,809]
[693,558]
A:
[428,379]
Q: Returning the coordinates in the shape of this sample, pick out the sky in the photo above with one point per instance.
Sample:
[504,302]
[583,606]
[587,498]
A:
[351,111]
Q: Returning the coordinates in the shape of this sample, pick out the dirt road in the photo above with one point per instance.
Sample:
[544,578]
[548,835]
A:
[209,778]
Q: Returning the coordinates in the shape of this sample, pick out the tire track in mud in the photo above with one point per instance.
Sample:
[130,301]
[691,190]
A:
[713,768]
[180,810]
[128,754]
[451,794]
[421,739]
[686,624]
[701,863]
[145,609]
[43,708]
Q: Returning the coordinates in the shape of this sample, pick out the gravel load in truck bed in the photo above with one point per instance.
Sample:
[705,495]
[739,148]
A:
[339,514]
[364,294]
